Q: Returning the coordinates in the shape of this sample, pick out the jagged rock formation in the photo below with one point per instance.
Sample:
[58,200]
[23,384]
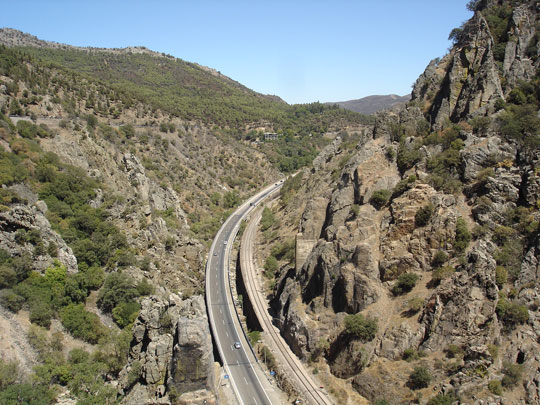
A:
[461,213]
[171,356]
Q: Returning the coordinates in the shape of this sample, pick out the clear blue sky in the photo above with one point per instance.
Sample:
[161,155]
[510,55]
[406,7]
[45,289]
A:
[302,51]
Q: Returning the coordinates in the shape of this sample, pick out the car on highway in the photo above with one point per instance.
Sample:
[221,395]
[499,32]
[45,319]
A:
[224,242]
[237,345]
[215,253]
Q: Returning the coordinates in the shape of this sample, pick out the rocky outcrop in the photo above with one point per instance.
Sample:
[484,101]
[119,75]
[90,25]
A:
[462,310]
[171,353]
[19,220]
[464,82]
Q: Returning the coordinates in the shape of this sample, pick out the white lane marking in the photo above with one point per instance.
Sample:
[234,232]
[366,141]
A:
[245,379]
[227,333]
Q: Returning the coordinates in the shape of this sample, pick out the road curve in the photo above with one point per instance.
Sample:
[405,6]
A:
[291,365]
[247,379]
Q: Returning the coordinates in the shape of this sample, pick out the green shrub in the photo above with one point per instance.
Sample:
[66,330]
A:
[411,354]
[267,219]
[407,156]
[32,394]
[423,215]
[511,313]
[117,288]
[493,350]
[442,399]
[81,323]
[40,313]
[495,386]
[419,378]
[379,198]
[9,373]
[501,276]
[463,236]
[8,277]
[405,283]
[270,266]
[11,301]
[359,327]
[144,288]
[439,259]
[125,313]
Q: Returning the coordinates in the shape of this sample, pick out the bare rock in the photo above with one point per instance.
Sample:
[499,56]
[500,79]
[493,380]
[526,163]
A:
[171,349]
[26,218]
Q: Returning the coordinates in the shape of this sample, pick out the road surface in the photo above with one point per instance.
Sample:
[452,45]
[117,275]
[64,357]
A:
[247,379]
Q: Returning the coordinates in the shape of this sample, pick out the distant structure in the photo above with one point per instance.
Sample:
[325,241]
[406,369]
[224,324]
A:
[270,136]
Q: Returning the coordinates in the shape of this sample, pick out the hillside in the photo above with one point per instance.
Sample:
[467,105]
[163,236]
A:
[372,104]
[404,264]
[183,89]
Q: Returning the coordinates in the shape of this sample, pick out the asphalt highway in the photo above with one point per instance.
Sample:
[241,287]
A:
[240,363]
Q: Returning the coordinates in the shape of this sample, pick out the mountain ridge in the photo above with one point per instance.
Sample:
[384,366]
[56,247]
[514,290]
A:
[372,104]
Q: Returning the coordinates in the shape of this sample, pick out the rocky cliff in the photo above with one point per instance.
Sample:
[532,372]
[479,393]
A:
[427,228]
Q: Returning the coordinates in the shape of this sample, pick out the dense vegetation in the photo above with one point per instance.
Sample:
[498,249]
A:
[189,91]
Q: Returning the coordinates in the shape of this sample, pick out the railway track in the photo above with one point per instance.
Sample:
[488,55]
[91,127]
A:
[311,391]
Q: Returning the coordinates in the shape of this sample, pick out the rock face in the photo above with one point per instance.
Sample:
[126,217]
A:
[171,353]
[21,219]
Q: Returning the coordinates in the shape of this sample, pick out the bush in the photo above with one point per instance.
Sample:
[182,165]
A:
[40,313]
[81,323]
[118,288]
[11,301]
[32,394]
[501,276]
[423,215]
[419,378]
[463,236]
[407,157]
[405,283]
[439,259]
[379,198]
[8,277]
[9,373]
[359,327]
[495,387]
[270,266]
[511,313]
[125,313]
[442,399]
[267,220]
[413,354]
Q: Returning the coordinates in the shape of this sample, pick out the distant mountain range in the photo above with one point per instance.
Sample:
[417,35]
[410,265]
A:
[372,104]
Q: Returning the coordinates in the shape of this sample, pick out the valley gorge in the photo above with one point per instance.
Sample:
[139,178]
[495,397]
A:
[401,262]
